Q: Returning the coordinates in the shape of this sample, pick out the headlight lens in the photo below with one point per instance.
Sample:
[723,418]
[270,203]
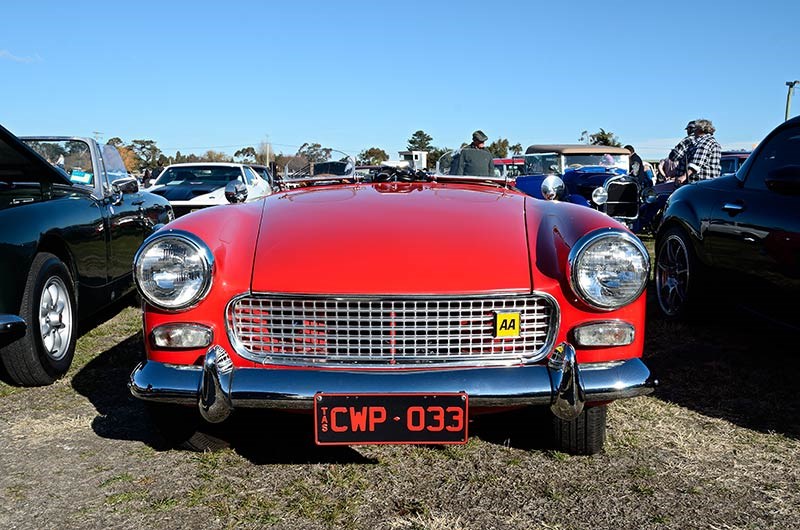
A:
[608,268]
[173,271]
[600,196]
[649,195]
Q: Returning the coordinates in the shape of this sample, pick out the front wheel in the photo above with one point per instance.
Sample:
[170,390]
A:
[677,274]
[46,350]
[585,435]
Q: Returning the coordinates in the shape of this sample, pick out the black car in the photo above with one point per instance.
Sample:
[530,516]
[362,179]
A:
[71,220]
[741,231]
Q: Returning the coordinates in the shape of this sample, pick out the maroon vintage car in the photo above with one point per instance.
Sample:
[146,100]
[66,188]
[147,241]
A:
[392,310]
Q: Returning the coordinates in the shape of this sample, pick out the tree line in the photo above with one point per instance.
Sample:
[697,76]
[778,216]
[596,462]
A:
[141,154]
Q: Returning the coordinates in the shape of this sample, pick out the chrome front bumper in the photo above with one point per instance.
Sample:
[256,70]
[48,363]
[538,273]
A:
[218,388]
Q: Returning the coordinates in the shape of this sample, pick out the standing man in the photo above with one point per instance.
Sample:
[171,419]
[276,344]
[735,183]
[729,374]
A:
[636,168]
[474,159]
[704,156]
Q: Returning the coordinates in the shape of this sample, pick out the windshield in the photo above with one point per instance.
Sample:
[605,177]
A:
[175,176]
[326,167]
[552,163]
[544,163]
[73,156]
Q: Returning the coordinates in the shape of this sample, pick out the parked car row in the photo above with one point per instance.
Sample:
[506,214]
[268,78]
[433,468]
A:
[390,305]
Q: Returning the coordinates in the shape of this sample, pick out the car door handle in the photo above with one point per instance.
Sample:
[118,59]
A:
[138,203]
[733,207]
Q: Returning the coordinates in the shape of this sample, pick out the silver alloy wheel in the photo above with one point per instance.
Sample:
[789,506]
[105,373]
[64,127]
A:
[55,318]
[672,275]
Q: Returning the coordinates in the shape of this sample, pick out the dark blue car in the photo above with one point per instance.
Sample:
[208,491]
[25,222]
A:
[591,175]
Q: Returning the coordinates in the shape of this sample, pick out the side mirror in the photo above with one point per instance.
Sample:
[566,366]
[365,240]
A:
[125,185]
[784,180]
[150,182]
[235,191]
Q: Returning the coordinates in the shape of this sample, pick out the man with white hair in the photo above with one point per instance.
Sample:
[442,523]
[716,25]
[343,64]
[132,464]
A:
[705,154]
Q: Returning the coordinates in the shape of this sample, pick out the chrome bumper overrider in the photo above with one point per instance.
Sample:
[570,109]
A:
[218,388]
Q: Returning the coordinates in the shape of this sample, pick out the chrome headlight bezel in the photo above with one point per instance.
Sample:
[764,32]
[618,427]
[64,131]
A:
[600,195]
[552,187]
[588,242]
[190,241]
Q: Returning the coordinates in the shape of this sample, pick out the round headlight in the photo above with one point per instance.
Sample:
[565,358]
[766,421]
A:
[608,268]
[552,187]
[600,196]
[173,270]
[649,195]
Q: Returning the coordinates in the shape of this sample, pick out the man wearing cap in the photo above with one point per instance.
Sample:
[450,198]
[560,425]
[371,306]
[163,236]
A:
[474,159]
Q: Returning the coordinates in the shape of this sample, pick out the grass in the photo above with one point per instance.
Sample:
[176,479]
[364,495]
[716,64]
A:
[715,447]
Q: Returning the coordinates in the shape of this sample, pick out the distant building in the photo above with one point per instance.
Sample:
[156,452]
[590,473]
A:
[417,159]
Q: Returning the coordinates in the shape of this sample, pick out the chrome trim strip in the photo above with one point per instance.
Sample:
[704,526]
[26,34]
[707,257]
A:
[486,387]
[365,362]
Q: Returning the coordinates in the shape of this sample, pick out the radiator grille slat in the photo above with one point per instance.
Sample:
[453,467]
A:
[388,331]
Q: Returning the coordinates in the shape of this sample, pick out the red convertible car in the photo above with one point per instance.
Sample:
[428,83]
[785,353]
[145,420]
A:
[392,310]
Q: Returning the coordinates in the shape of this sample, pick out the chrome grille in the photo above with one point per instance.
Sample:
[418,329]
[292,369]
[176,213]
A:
[623,199]
[388,331]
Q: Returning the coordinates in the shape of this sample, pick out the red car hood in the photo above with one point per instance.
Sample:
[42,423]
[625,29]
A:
[393,238]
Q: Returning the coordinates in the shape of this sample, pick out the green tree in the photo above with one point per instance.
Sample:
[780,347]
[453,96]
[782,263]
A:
[314,153]
[435,153]
[215,156]
[498,148]
[420,141]
[116,142]
[147,151]
[372,156]
[516,149]
[245,155]
[601,137]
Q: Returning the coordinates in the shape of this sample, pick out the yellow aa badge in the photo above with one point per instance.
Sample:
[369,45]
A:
[506,324]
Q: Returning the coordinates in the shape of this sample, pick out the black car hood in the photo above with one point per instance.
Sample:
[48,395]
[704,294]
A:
[186,191]
[20,163]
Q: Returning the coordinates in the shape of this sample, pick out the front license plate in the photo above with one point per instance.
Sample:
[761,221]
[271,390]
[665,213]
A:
[354,419]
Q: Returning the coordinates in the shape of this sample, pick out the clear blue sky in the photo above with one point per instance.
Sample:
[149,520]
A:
[351,75]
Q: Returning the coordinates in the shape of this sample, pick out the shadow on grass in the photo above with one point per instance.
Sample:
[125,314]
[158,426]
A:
[87,325]
[262,437]
[727,363]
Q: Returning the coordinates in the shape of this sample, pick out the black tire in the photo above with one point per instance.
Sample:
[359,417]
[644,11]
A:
[36,360]
[183,428]
[585,435]
[679,275]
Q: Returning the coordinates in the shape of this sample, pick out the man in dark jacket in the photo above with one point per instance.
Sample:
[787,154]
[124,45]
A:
[636,167]
[474,159]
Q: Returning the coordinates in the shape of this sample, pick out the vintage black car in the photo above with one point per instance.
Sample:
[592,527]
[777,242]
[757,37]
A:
[741,231]
[71,220]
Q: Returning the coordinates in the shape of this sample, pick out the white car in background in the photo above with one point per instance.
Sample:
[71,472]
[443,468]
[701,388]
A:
[197,185]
